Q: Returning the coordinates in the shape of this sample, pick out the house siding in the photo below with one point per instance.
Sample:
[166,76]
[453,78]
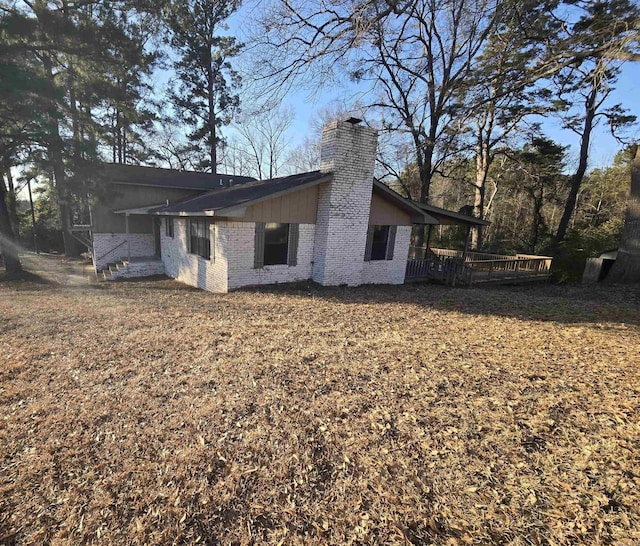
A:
[113,247]
[298,207]
[390,271]
[349,153]
[384,213]
[232,252]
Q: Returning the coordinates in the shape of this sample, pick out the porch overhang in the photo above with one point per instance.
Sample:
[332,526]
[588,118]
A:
[449,218]
[140,211]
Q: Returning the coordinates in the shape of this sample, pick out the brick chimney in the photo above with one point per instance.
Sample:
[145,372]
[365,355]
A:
[349,153]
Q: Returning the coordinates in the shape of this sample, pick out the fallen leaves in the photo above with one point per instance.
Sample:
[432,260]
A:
[150,413]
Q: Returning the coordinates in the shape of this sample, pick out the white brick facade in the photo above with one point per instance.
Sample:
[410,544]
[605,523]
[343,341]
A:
[114,247]
[232,258]
[349,152]
[390,271]
[241,258]
[192,269]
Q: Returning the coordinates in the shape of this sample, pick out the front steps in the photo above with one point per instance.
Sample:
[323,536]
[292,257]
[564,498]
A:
[134,268]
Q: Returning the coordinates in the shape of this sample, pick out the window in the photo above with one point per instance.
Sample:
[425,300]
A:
[276,244]
[199,242]
[380,243]
[168,226]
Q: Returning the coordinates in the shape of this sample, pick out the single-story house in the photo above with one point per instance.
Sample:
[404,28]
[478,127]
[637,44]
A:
[218,232]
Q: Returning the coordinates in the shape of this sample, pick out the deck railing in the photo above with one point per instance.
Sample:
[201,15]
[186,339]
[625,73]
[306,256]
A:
[517,267]
[447,266]
[448,270]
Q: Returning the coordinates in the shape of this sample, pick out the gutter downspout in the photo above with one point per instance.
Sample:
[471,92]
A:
[126,224]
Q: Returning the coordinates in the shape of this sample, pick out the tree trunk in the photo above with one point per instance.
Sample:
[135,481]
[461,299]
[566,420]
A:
[482,171]
[7,240]
[54,150]
[424,160]
[626,268]
[211,121]
[11,200]
[576,179]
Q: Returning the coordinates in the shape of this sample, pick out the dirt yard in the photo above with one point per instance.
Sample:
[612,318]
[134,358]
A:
[150,413]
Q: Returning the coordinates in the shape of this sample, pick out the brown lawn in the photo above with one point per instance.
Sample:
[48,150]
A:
[150,413]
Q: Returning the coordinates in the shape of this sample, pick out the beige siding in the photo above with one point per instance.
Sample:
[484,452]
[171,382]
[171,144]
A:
[298,207]
[384,213]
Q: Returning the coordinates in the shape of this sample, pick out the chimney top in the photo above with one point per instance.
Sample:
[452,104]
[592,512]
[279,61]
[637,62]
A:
[353,121]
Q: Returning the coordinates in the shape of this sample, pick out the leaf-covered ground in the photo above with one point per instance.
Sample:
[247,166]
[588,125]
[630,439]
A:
[151,413]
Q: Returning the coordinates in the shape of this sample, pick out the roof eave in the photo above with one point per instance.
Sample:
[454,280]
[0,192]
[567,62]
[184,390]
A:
[232,210]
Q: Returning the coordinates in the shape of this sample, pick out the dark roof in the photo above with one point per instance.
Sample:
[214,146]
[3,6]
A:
[418,215]
[169,178]
[245,194]
[445,216]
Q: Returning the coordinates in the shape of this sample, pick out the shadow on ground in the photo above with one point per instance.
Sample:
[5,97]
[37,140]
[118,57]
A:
[600,304]
[567,304]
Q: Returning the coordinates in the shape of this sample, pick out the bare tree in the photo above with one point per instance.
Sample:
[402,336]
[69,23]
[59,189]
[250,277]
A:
[264,136]
[600,33]
[416,56]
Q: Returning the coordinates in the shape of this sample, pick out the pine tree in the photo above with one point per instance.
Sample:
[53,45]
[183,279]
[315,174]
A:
[204,92]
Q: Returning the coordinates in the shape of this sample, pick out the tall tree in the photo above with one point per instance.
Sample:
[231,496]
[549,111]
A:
[600,34]
[540,163]
[206,82]
[74,47]
[416,57]
[21,120]
[501,95]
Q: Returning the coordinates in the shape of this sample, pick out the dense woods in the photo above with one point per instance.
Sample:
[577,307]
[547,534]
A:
[460,91]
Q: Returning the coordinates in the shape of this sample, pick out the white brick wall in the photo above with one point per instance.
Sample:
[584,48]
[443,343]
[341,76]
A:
[232,265]
[390,271]
[106,249]
[349,152]
[192,269]
[241,258]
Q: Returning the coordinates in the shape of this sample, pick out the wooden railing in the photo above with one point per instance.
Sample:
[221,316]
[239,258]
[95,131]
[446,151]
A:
[447,266]
[470,257]
[448,270]
[516,268]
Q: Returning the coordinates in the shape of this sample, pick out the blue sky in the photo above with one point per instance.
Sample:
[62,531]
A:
[306,104]
[603,145]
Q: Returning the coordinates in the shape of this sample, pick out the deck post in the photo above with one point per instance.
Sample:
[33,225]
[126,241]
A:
[466,244]
[126,228]
[426,252]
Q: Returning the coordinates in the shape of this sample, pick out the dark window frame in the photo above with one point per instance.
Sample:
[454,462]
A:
[169,229]
[199,237]
[380,245]
[276,243]
[269,250]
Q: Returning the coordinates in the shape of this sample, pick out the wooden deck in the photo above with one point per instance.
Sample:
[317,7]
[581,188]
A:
[449,266]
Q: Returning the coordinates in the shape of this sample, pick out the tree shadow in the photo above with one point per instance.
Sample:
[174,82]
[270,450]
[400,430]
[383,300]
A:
[24,279]
[614,304]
